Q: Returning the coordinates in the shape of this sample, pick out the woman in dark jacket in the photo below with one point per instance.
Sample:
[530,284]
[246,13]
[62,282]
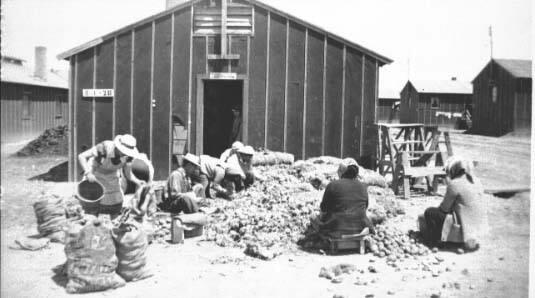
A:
[464,197]
[345,202]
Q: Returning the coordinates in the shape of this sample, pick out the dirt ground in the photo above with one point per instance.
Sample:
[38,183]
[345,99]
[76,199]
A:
[202,269]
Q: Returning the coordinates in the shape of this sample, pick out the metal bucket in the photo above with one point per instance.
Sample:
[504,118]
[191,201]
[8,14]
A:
[142,169]
[89,192]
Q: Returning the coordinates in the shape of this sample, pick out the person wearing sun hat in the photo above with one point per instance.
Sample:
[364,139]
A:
[204,170]
[345,201]
[103,163]
[231,151]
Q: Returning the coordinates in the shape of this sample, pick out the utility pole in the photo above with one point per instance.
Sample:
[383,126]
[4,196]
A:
[491,43]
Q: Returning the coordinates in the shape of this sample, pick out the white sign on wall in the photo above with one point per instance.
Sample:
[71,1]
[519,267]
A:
[98,93]
[223,76]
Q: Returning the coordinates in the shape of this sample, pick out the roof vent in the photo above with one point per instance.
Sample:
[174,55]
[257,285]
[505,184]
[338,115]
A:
[40,63]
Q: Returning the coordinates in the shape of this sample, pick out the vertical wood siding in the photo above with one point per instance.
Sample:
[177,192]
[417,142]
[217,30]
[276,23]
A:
[277,79]
[104,106]
[352,104]
[257,83]
[181,54]
[296,68]
[142,76]
[84,110]
[161,85]
[333,98]
[15,126]
[314,95]
[123,84]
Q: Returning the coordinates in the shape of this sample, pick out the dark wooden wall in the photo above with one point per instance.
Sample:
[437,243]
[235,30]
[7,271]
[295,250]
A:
[489,118]
[43,112]
[308,94]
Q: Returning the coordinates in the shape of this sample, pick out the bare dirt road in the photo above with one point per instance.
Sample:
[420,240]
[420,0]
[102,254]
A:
[202,269]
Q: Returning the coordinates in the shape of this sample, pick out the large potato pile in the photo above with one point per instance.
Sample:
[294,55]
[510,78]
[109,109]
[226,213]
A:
[274,212]
[395,245]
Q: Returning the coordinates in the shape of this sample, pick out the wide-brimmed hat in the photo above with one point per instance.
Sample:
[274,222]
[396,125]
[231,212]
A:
[192,159]
[248,150]
[126,144]
[237,145]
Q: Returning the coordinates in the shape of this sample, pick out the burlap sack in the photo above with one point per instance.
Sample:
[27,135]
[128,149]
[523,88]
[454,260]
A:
[91,260]
[51,218]
[131,244]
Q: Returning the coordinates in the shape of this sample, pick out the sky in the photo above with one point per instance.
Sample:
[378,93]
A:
[427,39]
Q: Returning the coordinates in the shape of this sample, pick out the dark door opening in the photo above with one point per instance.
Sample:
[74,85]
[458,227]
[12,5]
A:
[223,102]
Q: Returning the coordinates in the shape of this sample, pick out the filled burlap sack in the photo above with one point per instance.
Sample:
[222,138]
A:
[131,248]
[91,260]
[51,218]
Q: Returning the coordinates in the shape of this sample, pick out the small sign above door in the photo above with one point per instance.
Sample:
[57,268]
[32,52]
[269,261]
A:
[223,76]
[98,93]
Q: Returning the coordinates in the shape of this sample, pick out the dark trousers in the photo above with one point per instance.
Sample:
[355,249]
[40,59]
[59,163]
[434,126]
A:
[434,220]
[186,205]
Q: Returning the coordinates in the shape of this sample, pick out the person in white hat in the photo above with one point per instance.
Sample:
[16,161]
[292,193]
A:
[243,161]
[345,201]
[103,163]
[205,170]
[231,151]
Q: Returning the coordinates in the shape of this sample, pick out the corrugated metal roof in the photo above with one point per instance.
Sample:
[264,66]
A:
[22,74]
[96,41]
[450,86]
[518,68]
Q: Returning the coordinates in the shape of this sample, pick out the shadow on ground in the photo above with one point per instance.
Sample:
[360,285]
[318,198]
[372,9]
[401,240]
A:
[58,173]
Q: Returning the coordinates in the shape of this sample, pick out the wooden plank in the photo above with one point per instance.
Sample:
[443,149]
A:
[133,51]
[277,79]
[344,59]
[198,67]
[104,80]
[123,84]
[151,98]
[181,66]
[314,95]
[170,103]
[324,98]
[84,111]
[333,91]
[163,42]
[266,111]
[70,169]
[369,136]
[114,102]
[257,84]
[361,139]
[352,110]
[287,44]
[190,78]
[74,112]
[142,74]
[305,95]
[93,103]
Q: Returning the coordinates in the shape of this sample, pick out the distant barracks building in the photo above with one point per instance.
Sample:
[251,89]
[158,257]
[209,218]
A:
[177,75]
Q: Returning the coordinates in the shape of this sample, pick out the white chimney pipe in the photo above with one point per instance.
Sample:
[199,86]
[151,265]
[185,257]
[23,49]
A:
[172,3]
[40,70]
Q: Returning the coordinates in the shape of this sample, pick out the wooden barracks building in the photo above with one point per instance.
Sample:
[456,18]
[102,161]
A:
[176,76]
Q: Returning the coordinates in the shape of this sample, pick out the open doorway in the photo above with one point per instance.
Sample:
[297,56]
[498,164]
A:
[223,115]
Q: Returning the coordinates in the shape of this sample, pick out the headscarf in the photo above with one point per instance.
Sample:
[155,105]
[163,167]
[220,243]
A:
[345,164]
[456,166]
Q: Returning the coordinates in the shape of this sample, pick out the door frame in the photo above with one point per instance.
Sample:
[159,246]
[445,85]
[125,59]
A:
[199,126]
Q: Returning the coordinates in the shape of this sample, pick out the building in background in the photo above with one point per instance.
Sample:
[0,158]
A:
[388,106]
[440,103]
[32,100]
[502,97]
[179,74]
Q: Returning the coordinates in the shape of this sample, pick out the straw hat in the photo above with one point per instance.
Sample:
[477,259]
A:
[126,144]
[237,145]
[192,159]
[248,150]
